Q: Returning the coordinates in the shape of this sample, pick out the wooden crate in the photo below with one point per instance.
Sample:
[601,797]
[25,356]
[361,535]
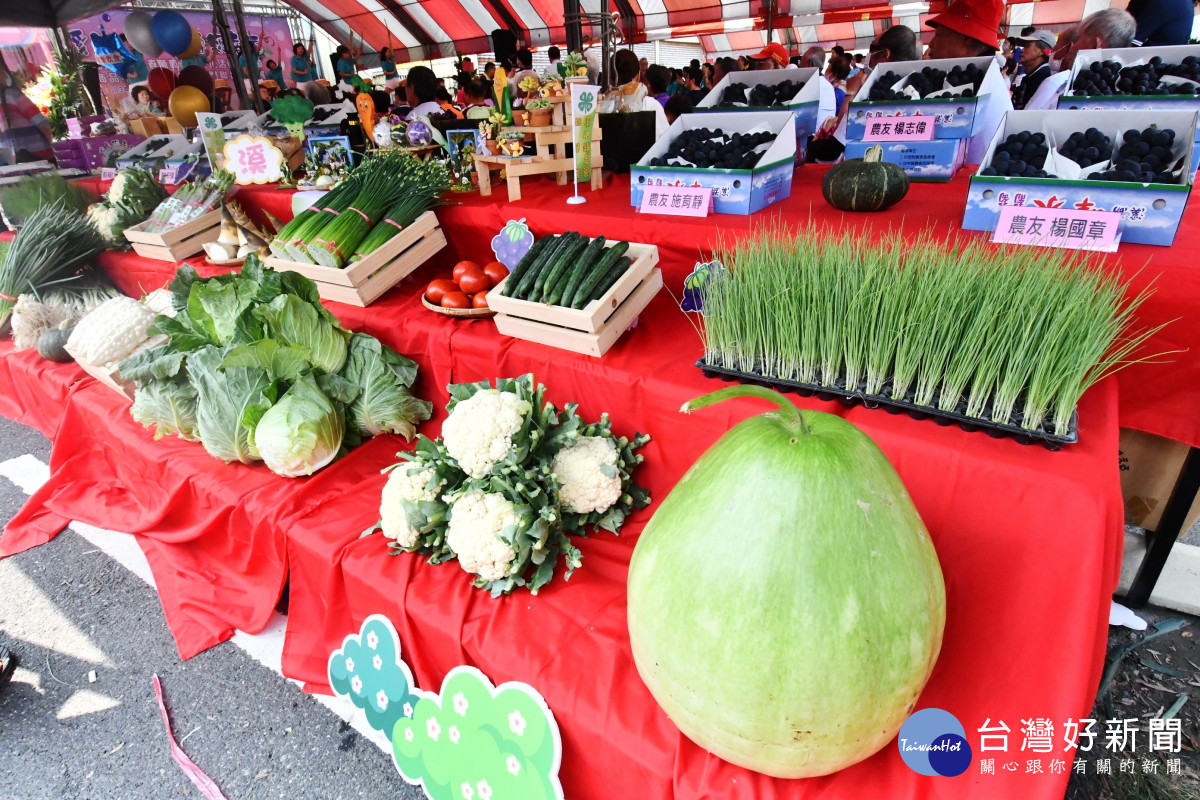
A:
[591,318]
[177,243]
[110,375]
[363,282]
[590,344]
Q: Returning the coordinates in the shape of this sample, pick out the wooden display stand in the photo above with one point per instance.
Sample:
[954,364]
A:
[591,330]
[362,282]
[177,243]
[551,142]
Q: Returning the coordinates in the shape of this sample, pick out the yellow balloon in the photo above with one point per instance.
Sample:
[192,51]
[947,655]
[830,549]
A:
[195,47]
[185,102]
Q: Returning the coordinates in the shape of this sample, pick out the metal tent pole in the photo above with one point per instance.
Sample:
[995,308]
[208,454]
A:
[574,25]
[221,25]
[248,49]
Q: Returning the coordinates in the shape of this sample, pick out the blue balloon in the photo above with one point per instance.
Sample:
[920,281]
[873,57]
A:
[172,31]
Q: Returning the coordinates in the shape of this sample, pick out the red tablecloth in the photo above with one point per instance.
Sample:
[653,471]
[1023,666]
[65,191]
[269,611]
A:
[34,391]
[1029,540]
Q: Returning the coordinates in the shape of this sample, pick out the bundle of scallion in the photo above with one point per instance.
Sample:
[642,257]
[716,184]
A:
[191,200]
[1013,335]
[294,237]
[423,184]
[55,242]
[338,240]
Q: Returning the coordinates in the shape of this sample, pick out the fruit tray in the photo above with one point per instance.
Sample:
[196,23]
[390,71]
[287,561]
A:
[850,397]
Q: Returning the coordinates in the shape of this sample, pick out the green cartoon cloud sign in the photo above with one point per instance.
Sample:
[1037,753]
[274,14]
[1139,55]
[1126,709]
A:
[368,670]
[474,741]
[471,741]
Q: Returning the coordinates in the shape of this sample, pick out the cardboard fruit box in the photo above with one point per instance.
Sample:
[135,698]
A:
[813,104]
[1129,56]
[1150,211]
[735,191]
[973,118]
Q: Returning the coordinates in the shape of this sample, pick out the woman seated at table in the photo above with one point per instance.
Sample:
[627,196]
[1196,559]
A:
[478,106]
[144,104]
[421,92]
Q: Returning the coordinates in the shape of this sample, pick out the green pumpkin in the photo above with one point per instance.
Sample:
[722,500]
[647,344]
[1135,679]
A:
[865,184]
[51,345]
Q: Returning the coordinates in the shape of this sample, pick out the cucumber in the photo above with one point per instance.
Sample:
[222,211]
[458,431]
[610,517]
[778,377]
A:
[618,269]
[584,293]
[553,276]
[564,256]
[562,294]
[528,260]
[522,288]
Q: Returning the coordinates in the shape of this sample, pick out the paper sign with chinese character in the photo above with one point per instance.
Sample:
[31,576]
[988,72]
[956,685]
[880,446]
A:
[1059,227]
[677,201]
[108,173]
[168,176]
[899,129]
[254,159]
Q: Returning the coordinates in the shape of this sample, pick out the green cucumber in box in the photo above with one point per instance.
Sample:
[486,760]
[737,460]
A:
[527,261]
[519,290]
[573,272]
[565,256]
[598,273]
[578,275]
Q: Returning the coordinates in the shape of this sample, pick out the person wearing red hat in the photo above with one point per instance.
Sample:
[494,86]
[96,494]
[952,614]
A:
[773,56]
[966,29]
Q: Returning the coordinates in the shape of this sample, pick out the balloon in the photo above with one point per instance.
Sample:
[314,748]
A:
[140,35]
[172,31]
[195,47]
[161,83]
[196,76]
[184,104]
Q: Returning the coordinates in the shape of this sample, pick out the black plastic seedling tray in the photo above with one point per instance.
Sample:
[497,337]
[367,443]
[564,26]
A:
[850,397]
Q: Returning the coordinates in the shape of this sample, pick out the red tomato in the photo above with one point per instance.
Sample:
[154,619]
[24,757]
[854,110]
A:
[456,300]
[462,267]
[472,281]
[479,300]
[495,272]
[438,289]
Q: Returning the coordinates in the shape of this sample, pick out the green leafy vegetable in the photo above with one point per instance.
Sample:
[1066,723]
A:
[293,321]
[302,432]
[383,377]
[228,399]
[168,405]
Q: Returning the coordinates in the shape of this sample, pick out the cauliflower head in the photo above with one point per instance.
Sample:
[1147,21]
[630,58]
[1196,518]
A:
[407,482]
[477,519]
[479,431]
[587,474]
[116,189]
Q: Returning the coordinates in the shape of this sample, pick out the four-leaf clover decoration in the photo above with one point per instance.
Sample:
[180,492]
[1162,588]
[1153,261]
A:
[586,101]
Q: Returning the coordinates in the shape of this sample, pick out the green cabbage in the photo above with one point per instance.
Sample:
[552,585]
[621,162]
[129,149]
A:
[383,376]
[302,432]
[291,320]
[230,402]
[168,405]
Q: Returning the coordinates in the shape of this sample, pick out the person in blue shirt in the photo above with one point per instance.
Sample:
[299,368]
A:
[388,64]
[347,66]
[302,68]
[1162,22]
[202,58]
[275,72]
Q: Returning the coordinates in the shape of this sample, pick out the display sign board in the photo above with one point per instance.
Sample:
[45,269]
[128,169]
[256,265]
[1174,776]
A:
[254,159]
[469,740]
[899,129]
[677,201]
[1059,227]
[108,173]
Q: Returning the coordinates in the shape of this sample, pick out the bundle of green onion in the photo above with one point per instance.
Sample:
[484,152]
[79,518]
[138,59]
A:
[55,242]
[1013,335]
[388,191]
[191,200]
